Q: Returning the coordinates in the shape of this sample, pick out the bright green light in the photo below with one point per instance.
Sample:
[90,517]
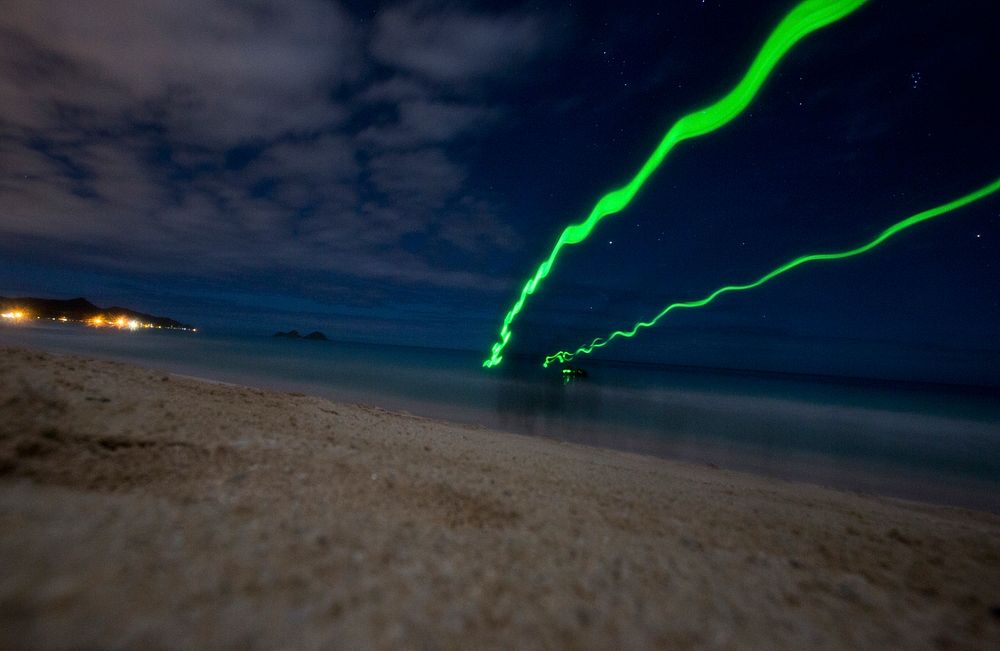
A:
[600,342]
[805,18]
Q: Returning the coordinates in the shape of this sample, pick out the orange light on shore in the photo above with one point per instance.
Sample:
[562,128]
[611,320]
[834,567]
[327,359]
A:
[118,322]
[14,315]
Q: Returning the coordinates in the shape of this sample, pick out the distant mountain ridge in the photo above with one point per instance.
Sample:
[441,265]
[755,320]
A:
[80,309]
[294,334]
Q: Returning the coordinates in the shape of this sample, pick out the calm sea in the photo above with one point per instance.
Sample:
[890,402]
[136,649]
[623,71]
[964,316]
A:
[938,443]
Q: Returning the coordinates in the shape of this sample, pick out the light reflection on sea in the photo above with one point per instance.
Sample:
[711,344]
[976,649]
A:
[930,442]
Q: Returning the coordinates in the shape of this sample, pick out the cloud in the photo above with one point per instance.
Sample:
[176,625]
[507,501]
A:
[454,45]
[420,178]
[210,70]
[422,122]
[219,139]
[394,89]
[479,229]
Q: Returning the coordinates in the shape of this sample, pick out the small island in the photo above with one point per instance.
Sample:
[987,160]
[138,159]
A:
[316,335]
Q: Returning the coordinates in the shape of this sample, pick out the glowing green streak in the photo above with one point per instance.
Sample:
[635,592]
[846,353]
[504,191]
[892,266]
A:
[600,342]
[800,21]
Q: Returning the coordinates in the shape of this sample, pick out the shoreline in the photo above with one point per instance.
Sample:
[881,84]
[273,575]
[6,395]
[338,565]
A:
[857,474]
[851,477]
[145,509]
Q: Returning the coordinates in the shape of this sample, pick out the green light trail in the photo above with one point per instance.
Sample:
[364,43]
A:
[601,342]
[805,18]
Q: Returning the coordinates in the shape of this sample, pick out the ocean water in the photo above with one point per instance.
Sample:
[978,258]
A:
[937,443]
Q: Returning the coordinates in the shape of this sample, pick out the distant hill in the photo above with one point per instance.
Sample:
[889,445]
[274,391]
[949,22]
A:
[294,334]
[80,309]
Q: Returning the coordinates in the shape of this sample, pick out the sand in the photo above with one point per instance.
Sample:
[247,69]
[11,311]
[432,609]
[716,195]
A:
[145,510]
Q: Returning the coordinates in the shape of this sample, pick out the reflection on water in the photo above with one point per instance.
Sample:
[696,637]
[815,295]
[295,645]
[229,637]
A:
[535,401]
[932,442]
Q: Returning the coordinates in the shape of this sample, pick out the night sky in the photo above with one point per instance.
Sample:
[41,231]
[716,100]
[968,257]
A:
[395,174]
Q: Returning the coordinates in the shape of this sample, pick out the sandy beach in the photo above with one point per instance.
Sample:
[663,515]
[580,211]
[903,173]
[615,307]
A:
[140,509]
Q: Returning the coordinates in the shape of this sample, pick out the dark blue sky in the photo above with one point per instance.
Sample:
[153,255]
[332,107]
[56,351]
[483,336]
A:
[395,174]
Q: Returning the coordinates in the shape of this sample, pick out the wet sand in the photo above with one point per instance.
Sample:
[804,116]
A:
[140,509]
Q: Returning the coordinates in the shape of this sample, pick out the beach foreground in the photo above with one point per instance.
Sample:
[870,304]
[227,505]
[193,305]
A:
[145,510]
